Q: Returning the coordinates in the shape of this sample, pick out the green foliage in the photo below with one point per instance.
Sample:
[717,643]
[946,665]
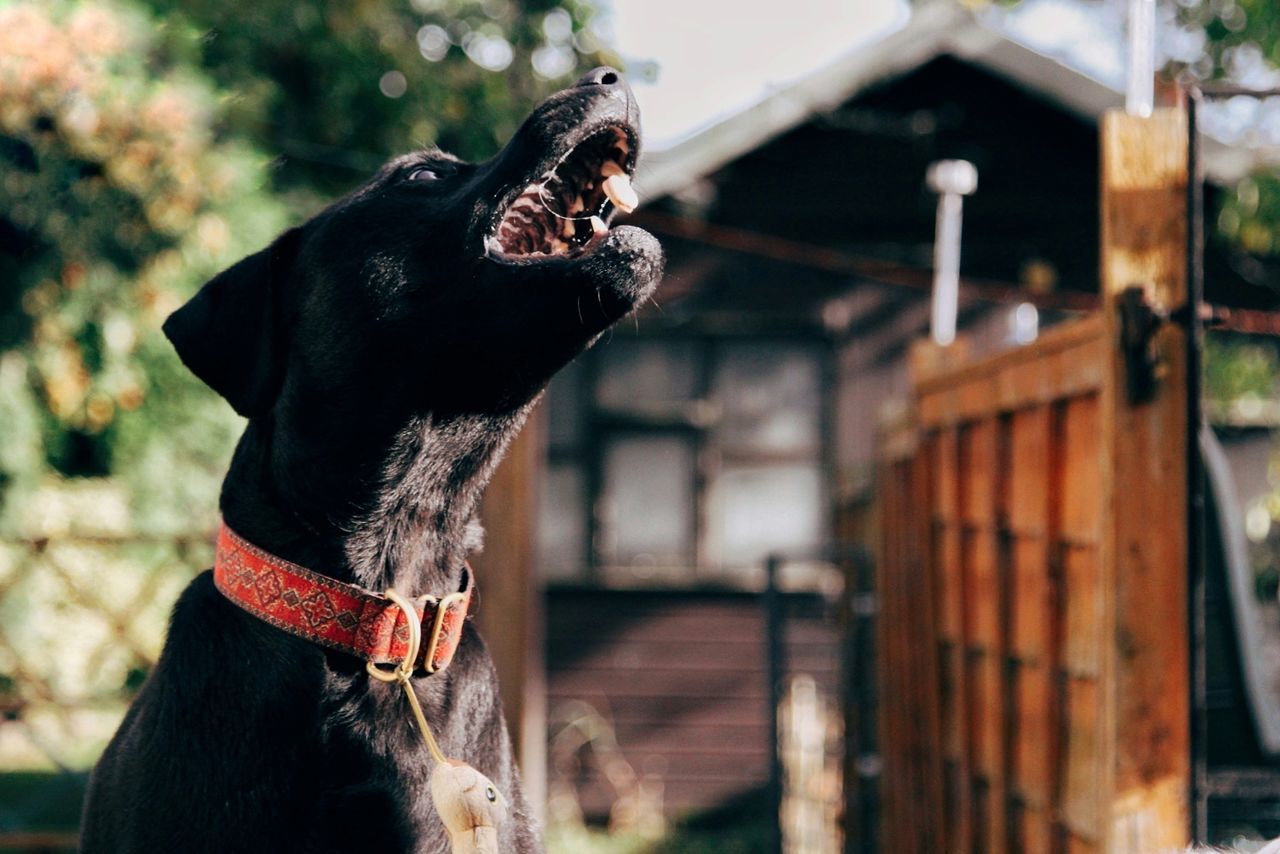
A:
[1249,214]
[1241,42]
[118,201]
[335,89]
[1238,367]
[1237,34]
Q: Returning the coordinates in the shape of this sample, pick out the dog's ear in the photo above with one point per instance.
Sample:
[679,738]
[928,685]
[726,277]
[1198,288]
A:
[231,334]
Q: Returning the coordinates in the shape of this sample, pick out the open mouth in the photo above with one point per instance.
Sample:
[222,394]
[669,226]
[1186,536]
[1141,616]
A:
[571,204]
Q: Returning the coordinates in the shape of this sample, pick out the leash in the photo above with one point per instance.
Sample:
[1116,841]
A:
[466,800]
[403,672]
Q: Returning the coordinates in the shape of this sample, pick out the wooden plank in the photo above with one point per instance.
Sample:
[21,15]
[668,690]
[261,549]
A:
[1082,481]
[1030,748]
[1086,632]
[1028,520]
[1080,845]
[510,617]
[947,540]
[1067,361]
[1083,787]
[956,715]
[980,484]
[950,373]
[1032,766]
[1144,229]
[892,628]
[927,646]
[912,688]
[1035,829]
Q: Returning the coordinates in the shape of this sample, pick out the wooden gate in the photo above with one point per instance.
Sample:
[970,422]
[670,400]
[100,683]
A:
[1033,572]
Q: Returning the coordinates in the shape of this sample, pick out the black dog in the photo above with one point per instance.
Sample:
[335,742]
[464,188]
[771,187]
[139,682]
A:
[385,354]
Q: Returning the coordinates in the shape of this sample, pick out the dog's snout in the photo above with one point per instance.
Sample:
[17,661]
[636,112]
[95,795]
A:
[602,76]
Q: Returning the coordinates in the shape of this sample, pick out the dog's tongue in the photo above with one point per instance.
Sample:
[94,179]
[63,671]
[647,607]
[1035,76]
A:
[617,186]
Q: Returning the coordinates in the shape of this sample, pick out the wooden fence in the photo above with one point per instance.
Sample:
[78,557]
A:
[1033,644]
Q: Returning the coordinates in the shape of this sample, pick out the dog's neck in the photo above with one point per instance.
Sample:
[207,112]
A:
[407,513]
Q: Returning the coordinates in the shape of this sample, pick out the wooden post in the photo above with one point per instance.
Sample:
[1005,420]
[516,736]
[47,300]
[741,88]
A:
[1147,694]
[510,613]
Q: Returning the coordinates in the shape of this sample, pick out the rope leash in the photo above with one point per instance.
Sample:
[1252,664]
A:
[403,672]
[466,800]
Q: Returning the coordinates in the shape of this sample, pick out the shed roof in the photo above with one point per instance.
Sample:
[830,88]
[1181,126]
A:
[935,29]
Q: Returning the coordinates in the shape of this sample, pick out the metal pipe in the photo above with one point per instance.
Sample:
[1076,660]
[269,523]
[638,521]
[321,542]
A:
[1196,554]
[775,670]
[1140,96]
[952,180]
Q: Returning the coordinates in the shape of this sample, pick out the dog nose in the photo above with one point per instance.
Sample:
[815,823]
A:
[602,76]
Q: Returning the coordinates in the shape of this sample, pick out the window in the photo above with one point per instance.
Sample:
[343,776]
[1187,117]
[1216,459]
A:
[680,459]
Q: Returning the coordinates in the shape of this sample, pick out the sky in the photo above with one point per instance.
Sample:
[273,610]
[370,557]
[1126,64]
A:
[716,57]
[693,62]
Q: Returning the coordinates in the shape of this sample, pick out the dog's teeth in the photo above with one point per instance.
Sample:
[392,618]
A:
[597,225]
[619,190]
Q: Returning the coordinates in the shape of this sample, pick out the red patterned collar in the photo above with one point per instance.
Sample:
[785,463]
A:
[342,616]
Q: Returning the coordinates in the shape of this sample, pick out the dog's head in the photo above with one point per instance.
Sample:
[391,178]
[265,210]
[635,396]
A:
[438,286]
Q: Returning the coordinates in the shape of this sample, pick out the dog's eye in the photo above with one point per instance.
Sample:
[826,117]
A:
[422,173]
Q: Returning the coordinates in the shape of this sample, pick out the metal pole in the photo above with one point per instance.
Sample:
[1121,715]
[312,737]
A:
[863,769]
[952,180]
[1140,96]
[1196,555]
[775,671]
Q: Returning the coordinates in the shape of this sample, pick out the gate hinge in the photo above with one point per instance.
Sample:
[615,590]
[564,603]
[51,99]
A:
[1140,320]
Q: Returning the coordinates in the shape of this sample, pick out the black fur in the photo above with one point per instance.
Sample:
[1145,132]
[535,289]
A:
[385,362]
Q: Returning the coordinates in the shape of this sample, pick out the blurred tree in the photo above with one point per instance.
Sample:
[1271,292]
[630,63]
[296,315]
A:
[334,89]
[1240,37]
[115,202]
[136,140]
[1237,40]
[1240,42]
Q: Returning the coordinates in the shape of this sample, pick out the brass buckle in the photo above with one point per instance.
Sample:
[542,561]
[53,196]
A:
[404,669]
[442,607]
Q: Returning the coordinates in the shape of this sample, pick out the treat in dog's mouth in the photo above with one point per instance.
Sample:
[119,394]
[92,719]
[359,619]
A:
[571,204]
